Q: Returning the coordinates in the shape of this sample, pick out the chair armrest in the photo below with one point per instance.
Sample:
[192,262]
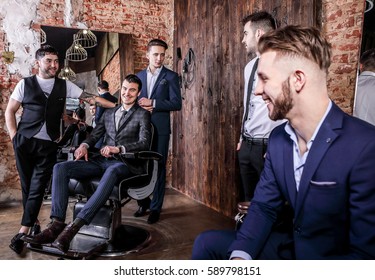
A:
[142,155]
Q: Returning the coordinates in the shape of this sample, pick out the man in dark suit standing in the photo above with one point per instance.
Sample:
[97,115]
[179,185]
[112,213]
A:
[320,163]
[103,90]
[160,95]
[127,128]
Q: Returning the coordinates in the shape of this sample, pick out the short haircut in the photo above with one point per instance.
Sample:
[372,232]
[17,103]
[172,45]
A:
[260,20]
[81,113]
[131,78]
[43,50]
[103,85]
[156,42]
[297,41]
[368,60]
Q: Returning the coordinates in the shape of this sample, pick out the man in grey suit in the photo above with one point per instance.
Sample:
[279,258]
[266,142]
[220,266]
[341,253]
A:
[126,128]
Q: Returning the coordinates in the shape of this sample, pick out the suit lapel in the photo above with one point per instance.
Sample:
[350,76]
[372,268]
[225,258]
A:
[289,171]
[161,76]
[323,140]
[126,118]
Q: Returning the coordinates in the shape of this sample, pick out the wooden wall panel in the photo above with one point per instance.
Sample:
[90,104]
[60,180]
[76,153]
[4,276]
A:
[206,130]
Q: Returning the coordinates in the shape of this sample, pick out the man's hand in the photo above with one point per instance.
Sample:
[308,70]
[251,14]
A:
[146,104]
[239,146]
[80,152]
[109,151]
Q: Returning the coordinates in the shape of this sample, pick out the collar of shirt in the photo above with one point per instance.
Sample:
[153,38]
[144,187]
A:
[298,159]
[151,79]
[367,73]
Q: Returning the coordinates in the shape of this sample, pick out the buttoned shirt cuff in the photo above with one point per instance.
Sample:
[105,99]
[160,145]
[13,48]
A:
[86,145]
[153,103]
[122,149]
[240,254]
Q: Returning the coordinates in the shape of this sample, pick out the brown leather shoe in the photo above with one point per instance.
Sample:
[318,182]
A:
[48,235]
[62,242]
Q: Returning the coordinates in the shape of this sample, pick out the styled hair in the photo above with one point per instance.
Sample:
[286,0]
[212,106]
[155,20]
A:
[260,20]
[131,78]
[156,42]
[103,85]
[297,41]
[43,50]
[368,60]
[81,113]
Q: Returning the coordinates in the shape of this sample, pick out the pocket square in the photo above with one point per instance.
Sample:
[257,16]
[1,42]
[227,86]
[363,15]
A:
[323,183]
[163,82]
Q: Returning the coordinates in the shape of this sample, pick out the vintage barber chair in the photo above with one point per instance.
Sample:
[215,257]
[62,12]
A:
[106,235]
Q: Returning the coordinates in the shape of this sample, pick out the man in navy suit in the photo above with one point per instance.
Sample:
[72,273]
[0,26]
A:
[160,95]
[127,128]
[320,163]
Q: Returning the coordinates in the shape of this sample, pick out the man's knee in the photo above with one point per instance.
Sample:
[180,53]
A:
[212,245]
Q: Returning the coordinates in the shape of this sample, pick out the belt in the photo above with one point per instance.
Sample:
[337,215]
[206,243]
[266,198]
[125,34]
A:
[255,141]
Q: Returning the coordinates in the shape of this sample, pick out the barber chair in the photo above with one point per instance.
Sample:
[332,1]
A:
[106,235]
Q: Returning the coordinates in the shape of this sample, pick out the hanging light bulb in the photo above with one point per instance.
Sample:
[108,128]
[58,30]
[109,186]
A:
[67,73]
[43,37]
[76,52]
[86,38]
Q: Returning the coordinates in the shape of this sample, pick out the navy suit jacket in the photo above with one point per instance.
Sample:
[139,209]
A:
[167,95]
[334,209]
[134,133]
[100,110]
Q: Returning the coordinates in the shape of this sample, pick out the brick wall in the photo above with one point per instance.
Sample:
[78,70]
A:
[342,23]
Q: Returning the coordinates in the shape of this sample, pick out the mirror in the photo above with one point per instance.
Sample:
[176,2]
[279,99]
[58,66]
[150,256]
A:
[102,62]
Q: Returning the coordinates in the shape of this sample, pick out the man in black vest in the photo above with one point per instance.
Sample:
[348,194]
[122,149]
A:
[42,97]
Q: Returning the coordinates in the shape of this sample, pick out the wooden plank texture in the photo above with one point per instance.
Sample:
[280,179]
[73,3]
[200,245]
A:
[206,130]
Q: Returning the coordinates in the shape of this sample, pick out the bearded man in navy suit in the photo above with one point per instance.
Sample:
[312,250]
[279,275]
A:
[160,95]
[320,163]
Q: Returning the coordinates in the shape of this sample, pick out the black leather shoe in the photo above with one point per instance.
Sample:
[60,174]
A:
[154,217]
[35,230]
[48,235]
[62,242]
[16,244]
[140,212]
[144,205]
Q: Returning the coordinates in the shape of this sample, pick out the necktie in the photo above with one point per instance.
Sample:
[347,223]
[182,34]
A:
[249,92]
[121,120]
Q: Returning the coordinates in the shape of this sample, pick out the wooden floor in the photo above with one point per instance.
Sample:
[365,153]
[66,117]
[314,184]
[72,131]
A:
[170,239]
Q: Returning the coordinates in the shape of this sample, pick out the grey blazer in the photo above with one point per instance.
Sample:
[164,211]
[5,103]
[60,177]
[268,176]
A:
[134,133]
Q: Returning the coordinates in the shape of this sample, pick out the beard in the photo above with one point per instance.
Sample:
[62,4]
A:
[283,104]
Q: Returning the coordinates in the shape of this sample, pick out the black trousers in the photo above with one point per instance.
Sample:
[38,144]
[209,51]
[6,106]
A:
[251,163]
[35,159]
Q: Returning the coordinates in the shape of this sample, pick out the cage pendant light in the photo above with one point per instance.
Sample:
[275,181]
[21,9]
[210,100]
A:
[67,73]
[43,37]
[86,38]
[76,52]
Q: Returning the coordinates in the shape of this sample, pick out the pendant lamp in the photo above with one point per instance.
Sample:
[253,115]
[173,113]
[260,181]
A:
[76,52]
[86,38]
[67,73]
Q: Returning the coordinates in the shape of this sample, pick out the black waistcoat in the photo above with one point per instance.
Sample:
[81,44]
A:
[37,108]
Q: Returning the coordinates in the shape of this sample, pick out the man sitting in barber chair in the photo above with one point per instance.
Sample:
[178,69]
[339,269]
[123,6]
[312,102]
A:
[126,128]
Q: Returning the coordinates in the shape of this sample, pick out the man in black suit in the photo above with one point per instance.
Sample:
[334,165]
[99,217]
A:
[160,95]
[127,128]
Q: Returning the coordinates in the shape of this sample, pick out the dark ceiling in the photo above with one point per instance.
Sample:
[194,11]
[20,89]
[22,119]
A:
[62,38]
